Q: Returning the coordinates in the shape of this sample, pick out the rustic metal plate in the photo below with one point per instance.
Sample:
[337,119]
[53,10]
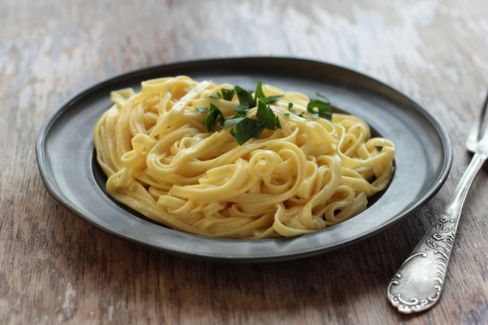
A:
[65,156]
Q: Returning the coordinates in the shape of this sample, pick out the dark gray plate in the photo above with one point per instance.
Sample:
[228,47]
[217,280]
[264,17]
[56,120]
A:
[423,158]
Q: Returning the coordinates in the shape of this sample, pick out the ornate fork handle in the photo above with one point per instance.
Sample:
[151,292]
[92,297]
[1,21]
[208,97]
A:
[418,283]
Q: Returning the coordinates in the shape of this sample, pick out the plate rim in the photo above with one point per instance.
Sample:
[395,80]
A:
[50,184]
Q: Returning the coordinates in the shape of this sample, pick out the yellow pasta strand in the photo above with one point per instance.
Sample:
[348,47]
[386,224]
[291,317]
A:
[161,161]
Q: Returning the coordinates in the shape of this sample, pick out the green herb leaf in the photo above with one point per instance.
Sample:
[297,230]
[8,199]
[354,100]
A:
[246,100]
[215,96]
[243,128]
[259,94]
[277,122]
[317,106]
[201,109]
[247,129]
[214,116]
[227,94]
[266,116]
[233,121]
[240,114]
[271,99]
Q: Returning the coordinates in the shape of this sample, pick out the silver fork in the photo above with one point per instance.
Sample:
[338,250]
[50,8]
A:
[418,284]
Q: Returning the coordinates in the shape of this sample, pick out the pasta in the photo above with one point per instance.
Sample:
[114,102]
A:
[308,173]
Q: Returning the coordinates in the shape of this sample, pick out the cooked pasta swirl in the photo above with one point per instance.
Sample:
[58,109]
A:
[161,161]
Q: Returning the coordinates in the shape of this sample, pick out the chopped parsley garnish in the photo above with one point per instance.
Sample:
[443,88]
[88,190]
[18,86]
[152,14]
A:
[232,121]
[267,117]
[246,101]
[243,128]
[259,94]
[320,107]
[214,116]
[272,99]
[247,129]
[215,96]
[227,94]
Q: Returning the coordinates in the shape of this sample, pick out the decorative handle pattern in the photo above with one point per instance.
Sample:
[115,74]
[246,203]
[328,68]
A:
[418,283]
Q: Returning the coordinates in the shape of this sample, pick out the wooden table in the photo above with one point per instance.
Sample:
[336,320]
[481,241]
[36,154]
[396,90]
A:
[55,267]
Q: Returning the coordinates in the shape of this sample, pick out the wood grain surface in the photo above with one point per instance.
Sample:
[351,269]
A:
[56,268]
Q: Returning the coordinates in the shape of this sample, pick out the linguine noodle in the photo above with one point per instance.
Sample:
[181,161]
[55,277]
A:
[310,173]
